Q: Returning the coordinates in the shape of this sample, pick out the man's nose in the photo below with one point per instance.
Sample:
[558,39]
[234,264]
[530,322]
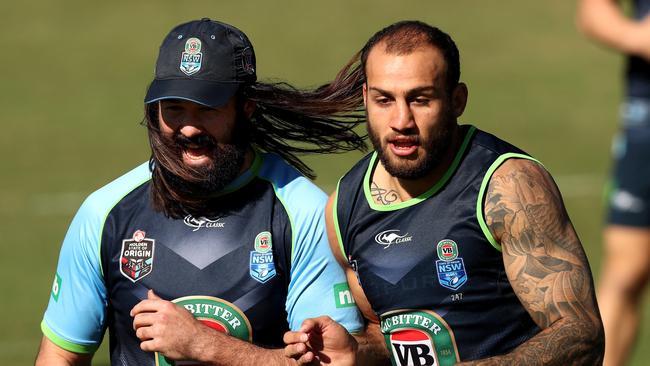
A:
[402,117]
[191,130]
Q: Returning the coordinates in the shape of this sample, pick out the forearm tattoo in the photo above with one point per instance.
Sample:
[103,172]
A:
[546,266]
[383,196]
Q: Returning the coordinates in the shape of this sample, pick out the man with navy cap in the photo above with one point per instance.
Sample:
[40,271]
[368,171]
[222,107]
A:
[216,246]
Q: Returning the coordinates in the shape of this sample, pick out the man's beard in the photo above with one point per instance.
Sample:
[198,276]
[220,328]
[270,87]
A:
[434,151]
[179,188]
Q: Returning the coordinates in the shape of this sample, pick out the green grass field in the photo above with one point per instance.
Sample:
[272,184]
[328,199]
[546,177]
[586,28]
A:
[73,74]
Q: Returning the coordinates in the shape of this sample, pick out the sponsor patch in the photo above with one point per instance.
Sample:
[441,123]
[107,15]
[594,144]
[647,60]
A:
[262,267]
[192,57]
[217,314]
[263,242]
[450,268]
[136,257]
[390,237]
[447,250]
[56,287]
[419,338]
[343,296]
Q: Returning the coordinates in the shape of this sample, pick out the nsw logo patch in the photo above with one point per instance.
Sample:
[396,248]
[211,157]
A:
[262,267]
[136,257]
[449,267]
[192,57]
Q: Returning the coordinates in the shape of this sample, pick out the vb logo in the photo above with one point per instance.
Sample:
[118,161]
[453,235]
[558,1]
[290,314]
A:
[412,348]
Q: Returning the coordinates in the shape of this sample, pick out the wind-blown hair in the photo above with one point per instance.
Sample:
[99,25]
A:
[289,121]
[286,121]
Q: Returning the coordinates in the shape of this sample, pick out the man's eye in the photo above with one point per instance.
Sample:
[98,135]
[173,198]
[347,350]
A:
[422,101]
[382,100]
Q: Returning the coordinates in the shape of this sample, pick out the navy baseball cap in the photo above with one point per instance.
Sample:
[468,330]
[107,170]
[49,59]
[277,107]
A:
[203,61]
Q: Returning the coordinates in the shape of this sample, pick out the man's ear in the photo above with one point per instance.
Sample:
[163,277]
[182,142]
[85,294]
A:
[459,99]
[249,108]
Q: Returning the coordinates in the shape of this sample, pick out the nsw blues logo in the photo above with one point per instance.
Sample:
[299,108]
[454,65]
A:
[450,268]
[192,58]
[262,267]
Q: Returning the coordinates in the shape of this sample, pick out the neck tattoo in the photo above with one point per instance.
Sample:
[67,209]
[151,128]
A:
[383,196]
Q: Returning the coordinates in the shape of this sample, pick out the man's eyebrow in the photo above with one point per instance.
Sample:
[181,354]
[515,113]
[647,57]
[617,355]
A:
[379,90]
[423,89]
[428,89]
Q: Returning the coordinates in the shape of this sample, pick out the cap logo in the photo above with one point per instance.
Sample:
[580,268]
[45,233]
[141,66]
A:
[191,58]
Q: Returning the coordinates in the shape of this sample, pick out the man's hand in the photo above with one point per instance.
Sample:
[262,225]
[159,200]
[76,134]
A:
[321,341]
[167,328]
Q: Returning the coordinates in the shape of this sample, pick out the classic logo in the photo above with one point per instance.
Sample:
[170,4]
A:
[262,267]
[136,257]
[214,313]
[390,237]
[192,57]
[419,338]
[203,222]
[450,268]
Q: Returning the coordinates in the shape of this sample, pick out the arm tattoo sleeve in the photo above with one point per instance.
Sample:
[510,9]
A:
[546,266]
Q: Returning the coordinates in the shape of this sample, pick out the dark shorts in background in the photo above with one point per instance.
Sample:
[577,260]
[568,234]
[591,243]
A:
[629,198]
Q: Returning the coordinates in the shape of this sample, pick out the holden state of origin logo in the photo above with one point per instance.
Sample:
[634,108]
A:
[136,256]
[418,338]
[217,314]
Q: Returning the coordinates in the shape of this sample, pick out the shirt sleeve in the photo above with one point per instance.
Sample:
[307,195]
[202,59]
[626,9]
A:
[74,319]
[318,284]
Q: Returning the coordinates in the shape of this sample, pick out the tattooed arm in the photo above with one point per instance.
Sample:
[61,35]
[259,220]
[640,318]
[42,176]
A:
[546,266]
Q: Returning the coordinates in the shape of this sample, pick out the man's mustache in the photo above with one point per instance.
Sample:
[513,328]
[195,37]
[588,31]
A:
[201,140]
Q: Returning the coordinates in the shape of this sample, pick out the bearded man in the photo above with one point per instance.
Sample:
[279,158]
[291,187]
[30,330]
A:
[218,228]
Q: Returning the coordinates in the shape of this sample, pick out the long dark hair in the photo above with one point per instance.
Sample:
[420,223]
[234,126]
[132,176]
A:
[287,121]
[290,121]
